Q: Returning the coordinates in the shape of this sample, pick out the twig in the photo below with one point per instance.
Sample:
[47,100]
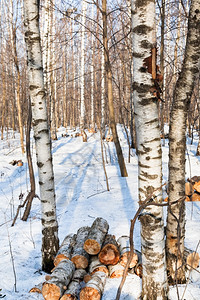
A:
[12,258]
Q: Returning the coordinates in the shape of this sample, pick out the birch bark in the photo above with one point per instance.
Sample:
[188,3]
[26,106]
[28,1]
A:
[41,134]
[181,99]
[154,279]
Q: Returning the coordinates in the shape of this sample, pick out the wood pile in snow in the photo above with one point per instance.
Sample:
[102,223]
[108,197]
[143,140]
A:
[85,259]
[192,189]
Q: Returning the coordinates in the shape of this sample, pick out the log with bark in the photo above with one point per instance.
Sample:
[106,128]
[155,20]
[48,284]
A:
[54,288]
[96,236]
[109,254]
[116,271]
[79,256]
[96,266]
[74,287]
[189,189]
[37,289]
[191,258]
[65,249]
[195,197]
[124,248]
[94,288]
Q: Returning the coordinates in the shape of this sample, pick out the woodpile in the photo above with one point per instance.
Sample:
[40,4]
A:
[85,259]
[109,138]
[192,190]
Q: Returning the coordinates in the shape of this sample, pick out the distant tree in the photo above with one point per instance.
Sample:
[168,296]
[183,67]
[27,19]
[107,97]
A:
[175,230]
[41,134]
[154,278]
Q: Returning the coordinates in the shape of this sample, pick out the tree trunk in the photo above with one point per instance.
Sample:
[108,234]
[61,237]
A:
[154,279]
[175,230]
[50,240]
[110,93]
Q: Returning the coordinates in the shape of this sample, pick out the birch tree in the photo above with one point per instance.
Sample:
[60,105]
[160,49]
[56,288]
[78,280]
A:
[41,134]
[154,279]
[177,137]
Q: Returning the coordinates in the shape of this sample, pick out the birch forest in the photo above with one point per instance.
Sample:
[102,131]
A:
[102,99]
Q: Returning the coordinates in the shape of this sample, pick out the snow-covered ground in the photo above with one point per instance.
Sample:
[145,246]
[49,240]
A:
[81,197]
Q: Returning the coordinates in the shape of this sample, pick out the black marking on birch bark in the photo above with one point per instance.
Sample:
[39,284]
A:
[52,178]
[146,44]
[41,183]
[38,121]
[50,213]
[141,88]
[142,3]
[145,101]
[151,122]
[144,166]
[40,165]
[33,87]
[137,55]
[142,29]
[43,131]
[50,190]
[37,138]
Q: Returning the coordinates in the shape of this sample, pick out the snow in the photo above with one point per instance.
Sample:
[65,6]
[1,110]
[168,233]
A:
[81,197]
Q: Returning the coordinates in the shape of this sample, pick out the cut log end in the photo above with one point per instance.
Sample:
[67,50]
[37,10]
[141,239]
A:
[35,290]
[192,260]
[100,269]
[109,255]
[124,259]
[59,258]
[92,247]
[80,261]
[50,291]
[89,293]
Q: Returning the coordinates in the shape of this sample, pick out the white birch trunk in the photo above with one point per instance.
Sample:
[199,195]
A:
[41,134]
[82,76]
[177,136]
[154,280]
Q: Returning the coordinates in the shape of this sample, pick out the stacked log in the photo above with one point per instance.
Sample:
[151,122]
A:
[124,247]
[96,236]
[109,254]
[74,287]
[93,289]
[65,249]
[116,271]
[96,266]
[37,289]
[61,276]
[191,259]
[79,256]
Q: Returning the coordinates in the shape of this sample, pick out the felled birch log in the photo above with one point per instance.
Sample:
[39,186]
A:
[87,278]
[74,287]
[65,249]
[96,265]
[96,236]
[189,189]
[197,186]
[138,267]
[124,248]
[79,256]
[191,259]
[54,288]
[94,288]
[37,289]
[116,271]
[195,197]
[109,254]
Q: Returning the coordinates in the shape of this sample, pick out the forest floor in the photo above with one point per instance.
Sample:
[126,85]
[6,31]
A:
[81,196]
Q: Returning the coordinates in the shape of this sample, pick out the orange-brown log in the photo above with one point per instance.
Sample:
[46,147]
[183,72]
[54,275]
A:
[96,236]
[187,199]
[124,248]
[109,254]
[116,271]
[79,256]
[191,258]
[87,278]
[94,288]
[73,288]
[54,288]
[195,197]
[37,289]
[189,189]
[65,249]
[96,266]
